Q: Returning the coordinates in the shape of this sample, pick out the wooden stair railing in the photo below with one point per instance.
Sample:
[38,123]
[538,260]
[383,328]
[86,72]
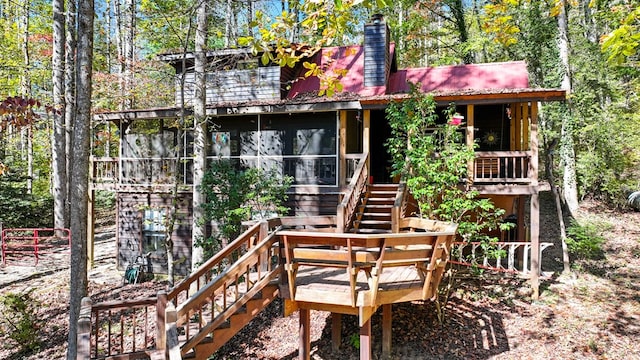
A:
[213,314]
[518,255]
[137,328]
[348,205]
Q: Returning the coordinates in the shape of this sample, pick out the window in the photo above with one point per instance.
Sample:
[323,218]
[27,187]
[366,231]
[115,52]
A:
[299,145]
[153,231]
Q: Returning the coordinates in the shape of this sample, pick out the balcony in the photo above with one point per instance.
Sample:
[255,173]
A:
[503,167]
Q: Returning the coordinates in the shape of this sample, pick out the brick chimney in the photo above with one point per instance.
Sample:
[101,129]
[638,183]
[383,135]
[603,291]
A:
[377,59]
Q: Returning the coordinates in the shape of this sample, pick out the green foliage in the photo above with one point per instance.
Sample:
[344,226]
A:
[432,156]
[22,210]
[235,195]
[19,321]
[354,340]
[585,241]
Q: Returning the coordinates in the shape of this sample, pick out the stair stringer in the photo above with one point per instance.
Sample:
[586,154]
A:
[237,321]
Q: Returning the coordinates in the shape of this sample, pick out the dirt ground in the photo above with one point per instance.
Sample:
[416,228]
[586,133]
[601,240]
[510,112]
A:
[591,313]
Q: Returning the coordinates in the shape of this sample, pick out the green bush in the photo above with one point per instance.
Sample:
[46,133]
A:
[19,322]
[585,241]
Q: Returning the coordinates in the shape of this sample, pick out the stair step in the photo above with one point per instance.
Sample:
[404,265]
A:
[376,216]
[371,231]
[383,193]
[375,224]
[376,208]
[388,187]
[380,201]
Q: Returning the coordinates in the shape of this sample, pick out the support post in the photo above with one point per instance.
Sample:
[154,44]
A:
[84,330]
[161,334]
[304,351]
[386,330]
[91,229]
[535,245]
[336,331]
[365,340]
[173,346]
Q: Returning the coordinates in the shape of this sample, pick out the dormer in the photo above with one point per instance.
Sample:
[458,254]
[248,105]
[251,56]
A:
[233,76]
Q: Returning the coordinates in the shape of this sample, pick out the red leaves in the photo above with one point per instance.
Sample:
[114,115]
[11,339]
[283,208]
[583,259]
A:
[18,111]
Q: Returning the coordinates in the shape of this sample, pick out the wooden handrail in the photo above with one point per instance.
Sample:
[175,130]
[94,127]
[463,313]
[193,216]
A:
[247,239]
[247,266]
[347,206]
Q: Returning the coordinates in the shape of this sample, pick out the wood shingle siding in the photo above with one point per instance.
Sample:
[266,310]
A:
[262,83]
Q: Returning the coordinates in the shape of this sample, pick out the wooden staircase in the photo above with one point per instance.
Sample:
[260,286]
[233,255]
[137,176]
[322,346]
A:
[236,322]
[375,209]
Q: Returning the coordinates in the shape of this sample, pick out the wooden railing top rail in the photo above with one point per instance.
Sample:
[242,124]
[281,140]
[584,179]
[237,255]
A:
[483,154]
[123,304]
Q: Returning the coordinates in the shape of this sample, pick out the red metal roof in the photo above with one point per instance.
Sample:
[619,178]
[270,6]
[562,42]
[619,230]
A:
[442,79]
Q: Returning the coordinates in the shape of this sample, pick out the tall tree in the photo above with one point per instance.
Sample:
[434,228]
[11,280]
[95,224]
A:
[200,132]
[567,149]
[79,171]
[58,135]
[69,94]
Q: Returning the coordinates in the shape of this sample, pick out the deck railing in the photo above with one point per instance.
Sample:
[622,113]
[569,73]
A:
[502,167]
[349,203]
[147,171]
[517,259]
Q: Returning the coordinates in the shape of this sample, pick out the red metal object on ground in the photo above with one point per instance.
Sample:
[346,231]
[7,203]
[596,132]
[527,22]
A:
[19,242]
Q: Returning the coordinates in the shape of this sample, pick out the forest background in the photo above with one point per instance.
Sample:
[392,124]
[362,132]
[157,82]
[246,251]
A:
[84,57]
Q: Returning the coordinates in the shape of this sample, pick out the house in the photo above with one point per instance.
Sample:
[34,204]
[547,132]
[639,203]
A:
[269,116]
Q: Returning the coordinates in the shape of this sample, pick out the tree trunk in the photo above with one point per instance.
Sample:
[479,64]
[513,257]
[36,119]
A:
[567,151]
[200,134]
[550,148]
[129,52]
[79,174]
[25,88]
[457,11]
[58,138]
[70,98]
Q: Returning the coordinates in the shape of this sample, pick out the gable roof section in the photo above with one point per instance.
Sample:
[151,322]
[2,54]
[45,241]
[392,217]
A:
[439,79]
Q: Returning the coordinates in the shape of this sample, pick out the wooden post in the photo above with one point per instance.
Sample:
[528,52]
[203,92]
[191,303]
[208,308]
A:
[173,346]
[386,330]
[336,331]
[91,220]
[366,133]
[533,145]
[535,245]
[470,141]
[84,330]
[161,334]
[304,352]
[365,341]
[342,145]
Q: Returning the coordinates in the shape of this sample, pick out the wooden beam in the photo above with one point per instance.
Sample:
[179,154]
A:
[304,352]
[336,331]
[470,140]
[386,330]
[91,229]
[365,341]
[535,245]
[533,145]
[366,131]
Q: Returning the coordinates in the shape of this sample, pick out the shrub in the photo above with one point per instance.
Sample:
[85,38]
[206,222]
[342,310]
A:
[19,321]
[585,241]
